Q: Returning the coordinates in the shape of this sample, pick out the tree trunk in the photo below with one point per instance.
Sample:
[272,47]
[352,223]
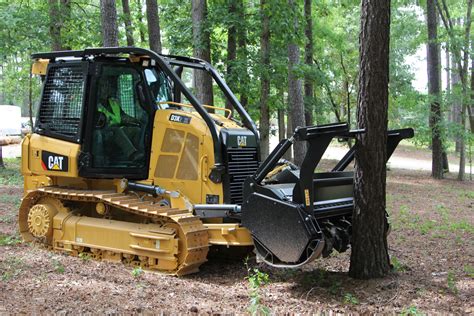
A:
[231,48]
[108,17]
[2,165]
[242,53]
[202,50]
[65,7]
[434,89]
[289,132]
[466,98]
[369,256]
[456,104]
[295,93]
[281,124]
[55,25]
[154,37]
[141,27]
[308,59]
[128,22]
[265,81]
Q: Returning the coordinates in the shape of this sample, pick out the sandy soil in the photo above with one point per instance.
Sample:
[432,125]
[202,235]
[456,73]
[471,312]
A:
[431,245]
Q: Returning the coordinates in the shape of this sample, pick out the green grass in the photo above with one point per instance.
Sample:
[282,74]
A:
[58,266]
[350,299]
[397,265]
[137,271]
[7,240]
[11,199]
[469,271]
[10,268]
[451,279]
[11,175]
[412,310]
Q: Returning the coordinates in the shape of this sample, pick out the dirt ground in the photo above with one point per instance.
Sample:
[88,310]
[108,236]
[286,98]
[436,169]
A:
[431,248]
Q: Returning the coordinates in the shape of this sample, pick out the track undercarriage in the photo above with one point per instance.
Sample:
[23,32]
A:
[116,227]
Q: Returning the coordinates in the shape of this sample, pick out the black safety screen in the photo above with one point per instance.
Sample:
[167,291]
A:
[62,101]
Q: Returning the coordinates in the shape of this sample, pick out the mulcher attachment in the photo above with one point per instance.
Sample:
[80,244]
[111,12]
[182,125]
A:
[297,215]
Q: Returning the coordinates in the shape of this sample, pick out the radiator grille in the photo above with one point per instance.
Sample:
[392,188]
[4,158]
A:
[241,163]
[61,104]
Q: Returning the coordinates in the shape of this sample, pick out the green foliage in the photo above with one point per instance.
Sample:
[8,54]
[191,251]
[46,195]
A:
[85,256]
[397,265]
[58,266]
[137,271]
[10,268]
[11,174]
[451,280]
[411,311]
[469,269]
[257,279]
[350,299]
[8,240]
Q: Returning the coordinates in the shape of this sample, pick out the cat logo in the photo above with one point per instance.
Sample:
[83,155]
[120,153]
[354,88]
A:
[242,141]
[54,162]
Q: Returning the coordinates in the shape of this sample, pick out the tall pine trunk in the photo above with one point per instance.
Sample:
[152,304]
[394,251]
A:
[295,93]
[242,54]
[139,17]
[154,37]
[2,165]
[128,22]
[55,25]
[308,59]
[231,47]
[434,88]
[202,50]
[108,18]
[265,81]
[369,256]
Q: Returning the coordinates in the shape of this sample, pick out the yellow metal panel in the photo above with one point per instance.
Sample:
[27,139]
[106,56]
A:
[172,141]
[40,66]
[228,235]
[39,143]
[166,166]
[188,166]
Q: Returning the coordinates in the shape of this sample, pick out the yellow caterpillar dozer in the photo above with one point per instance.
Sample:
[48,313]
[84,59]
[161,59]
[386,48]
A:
[125,164]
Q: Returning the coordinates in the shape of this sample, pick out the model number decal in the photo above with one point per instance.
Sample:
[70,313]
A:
[180,118]
[54,162]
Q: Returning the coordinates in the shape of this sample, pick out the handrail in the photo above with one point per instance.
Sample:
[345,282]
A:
[187,105]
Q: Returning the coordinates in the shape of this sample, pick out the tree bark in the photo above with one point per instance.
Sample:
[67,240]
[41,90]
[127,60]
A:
[308,59]
[128,22]
[55,25]
[281,124]
[2,165]
[242,52]
[434,89]
[231,48]
[141,27]
[295,93]
[202,50]
[369,256]
[456,106]
[265,81]
[108,17]
[154,37]
[289,132]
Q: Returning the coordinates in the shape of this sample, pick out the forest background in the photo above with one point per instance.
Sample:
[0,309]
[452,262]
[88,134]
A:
[247,41]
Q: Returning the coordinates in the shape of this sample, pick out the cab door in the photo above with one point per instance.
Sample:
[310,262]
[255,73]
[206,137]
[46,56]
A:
[119,121]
